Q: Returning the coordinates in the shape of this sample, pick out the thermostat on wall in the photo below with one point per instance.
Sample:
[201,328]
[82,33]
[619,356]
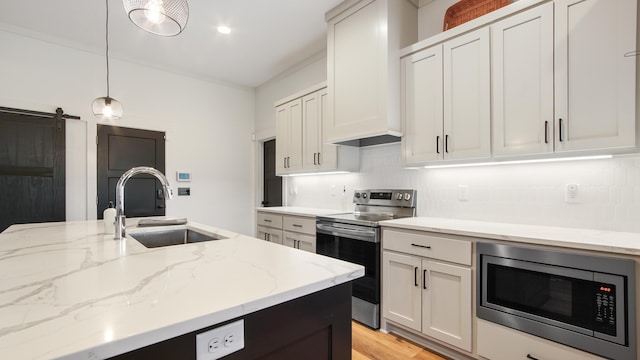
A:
[183,176]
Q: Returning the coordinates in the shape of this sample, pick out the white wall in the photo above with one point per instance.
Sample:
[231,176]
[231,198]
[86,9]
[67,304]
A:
[609,192]
[208,125]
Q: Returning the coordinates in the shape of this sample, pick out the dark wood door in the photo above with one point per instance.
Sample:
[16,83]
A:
[272,183]
[120,149]
[32,169]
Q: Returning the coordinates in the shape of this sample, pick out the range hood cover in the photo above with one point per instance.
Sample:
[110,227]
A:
[370,141]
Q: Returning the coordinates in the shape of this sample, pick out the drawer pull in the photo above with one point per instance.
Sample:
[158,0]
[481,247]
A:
[531,357]
[267,220]
[422,246]
[296,225]
[415,276]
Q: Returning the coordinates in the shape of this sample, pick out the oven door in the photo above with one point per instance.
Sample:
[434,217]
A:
[355,244]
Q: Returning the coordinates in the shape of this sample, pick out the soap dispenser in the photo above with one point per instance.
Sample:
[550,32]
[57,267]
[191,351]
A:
[109,216]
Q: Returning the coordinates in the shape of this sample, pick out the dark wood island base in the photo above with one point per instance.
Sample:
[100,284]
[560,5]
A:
[313,327]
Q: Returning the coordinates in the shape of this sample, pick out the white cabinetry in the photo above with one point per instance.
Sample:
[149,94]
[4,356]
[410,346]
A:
[363,72]
[300,129]
[497,342]
[426,284]
[294,231]
[289,137]
[447,106]
[522,81]
[558,84]
[299,232]
[595,84]
[270,227]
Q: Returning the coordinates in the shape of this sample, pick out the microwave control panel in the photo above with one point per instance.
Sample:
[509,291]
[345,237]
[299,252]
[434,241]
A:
[605,306]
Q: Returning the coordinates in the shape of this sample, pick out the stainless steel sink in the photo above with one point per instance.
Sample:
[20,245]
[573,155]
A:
[168,237]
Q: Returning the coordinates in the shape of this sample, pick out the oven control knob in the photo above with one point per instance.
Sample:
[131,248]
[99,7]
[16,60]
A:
[407,196]
[364,195]
[357,195]
[399,196]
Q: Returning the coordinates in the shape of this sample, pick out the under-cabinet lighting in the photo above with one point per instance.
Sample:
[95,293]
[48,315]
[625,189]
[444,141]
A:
[597,157]
[320,173]
[222,29]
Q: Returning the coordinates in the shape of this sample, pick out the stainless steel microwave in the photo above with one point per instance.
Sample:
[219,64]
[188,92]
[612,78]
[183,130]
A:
[583,301]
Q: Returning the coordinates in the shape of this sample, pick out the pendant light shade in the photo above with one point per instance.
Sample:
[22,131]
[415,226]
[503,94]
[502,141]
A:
[160,17]
[106,107]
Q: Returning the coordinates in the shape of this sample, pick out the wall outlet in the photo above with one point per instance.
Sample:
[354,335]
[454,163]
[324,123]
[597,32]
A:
[220,342]
[572,193]
[463,192]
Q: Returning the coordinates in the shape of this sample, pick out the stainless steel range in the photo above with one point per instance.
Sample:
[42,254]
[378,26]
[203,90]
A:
[355,237]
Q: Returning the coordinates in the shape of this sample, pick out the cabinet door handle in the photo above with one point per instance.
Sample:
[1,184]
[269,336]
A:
[314,159]
[560,129]
[531,357]
[288,162]
[446,144]
[415,276]
[424,279]
[422,246]
[318,158]
[546,132]
[438,144]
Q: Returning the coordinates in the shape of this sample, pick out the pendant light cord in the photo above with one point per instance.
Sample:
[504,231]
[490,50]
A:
[107,41]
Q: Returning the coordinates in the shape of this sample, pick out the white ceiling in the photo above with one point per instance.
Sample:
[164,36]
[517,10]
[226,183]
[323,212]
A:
[268,36]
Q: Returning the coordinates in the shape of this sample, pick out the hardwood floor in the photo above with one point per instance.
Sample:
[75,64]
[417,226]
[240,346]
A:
[368,344]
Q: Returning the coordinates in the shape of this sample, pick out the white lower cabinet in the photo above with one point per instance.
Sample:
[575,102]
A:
[269,227]
[270,234]
[422,290]
[497,342]
[294,231]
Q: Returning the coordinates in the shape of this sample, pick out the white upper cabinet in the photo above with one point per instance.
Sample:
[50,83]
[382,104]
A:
[423,106]
[300,143]
[467,97]
[595,84]
[522,81]
[317,154]
[446,101]
[289,137]
[363,70]
[533,79]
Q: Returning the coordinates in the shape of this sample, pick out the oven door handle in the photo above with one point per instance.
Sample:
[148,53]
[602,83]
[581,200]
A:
[364,235]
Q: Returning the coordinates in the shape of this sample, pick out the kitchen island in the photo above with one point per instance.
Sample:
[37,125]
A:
[67,290]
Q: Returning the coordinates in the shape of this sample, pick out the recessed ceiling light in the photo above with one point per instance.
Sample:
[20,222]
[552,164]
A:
[224,29]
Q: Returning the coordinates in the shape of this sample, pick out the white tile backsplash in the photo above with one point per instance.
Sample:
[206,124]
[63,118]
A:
[609,190]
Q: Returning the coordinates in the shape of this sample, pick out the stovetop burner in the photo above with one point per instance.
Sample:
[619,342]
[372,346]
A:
[373,206]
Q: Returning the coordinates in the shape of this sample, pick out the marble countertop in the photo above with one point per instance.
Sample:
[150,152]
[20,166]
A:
[596,240]
[300,211]
[67,290]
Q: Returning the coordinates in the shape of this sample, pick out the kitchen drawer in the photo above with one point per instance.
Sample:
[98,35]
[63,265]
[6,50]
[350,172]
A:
[270,220]
[300,224]
[452,248]
[497,342]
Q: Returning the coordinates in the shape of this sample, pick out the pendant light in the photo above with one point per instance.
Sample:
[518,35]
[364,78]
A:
[107,108]
[160,17]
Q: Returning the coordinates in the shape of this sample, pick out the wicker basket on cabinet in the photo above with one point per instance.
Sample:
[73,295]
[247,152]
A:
[465,10]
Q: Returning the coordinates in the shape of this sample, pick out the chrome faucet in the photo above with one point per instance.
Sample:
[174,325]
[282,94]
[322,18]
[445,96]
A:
[120,218]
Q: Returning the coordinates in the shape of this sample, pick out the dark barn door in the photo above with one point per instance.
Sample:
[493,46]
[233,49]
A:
[120,149]
[32,168]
